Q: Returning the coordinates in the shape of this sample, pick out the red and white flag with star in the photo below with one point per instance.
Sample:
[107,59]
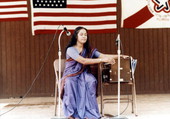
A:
[145,14]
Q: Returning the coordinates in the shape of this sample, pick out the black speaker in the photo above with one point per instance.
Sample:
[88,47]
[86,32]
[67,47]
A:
[106,72]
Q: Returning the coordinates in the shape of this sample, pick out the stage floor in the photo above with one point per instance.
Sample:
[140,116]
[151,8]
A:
[149,106]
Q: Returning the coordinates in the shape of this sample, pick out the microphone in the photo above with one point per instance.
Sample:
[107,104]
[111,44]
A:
[67,32]
[117,40]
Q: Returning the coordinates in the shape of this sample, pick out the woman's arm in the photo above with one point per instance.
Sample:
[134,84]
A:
[112,56]
[87,61]
[107,58]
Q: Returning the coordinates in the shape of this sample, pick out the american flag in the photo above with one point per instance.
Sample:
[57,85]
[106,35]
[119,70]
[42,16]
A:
[98,16]
[12,10]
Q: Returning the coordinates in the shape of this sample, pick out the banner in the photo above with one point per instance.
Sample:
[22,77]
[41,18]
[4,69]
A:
[12,10]
[98,16]
[145,14]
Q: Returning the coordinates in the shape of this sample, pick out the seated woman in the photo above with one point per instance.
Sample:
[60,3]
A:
[78,86]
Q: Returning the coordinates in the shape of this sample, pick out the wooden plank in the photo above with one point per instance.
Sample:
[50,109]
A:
[38,62]
[155,76]
[141,64]
[53,55]
[147,56]
[165,59]
[160,60]
[22,48]
[168,58]
[9,87]
[15,80]
[42,52]
[27,40]
[3,44]
[49,64]
[1,77]
[32,64]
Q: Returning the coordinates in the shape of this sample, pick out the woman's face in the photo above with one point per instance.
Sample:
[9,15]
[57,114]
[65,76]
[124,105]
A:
[82,36]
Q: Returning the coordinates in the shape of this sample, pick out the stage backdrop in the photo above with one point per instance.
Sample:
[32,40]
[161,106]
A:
[22,55]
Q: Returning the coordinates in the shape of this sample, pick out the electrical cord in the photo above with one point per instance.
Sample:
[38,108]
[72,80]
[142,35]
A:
[125,107]
[36,77]
[121,47]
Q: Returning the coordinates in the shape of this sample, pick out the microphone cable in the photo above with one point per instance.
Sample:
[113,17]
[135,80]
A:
[128,99]
[36,77]
[121,47]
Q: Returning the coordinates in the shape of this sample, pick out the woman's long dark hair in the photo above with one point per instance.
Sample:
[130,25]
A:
[73,40]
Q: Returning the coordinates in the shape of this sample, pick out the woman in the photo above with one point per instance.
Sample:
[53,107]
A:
[78,86]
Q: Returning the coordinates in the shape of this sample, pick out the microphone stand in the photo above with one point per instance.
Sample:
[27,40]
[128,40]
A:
[58,116]
[119,52]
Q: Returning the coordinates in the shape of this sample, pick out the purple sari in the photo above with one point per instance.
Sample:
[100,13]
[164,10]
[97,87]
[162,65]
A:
[79,90]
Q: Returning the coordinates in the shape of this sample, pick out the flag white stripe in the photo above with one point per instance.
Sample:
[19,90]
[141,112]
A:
[32,17]
[75,10]
[13,15]
[13,9]
[13,3]
[96,27]
[99,2]
[101,18]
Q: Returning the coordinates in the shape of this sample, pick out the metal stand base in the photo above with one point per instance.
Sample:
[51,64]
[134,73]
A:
[119,117]
[58,117]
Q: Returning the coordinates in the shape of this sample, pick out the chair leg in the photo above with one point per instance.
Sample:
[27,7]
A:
[101,93]
[101,100]
[134,104]
[133,98]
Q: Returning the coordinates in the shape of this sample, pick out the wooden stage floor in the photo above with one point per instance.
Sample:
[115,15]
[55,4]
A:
[149,106]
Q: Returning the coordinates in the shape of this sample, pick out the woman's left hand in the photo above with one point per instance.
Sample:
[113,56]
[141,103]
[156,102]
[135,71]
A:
[124,56]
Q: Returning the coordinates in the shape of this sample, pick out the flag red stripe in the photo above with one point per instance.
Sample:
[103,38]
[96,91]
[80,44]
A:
[18,12]
[14,19]
[12,0]
[13,6]
[74,22]
[89,31]
[138,18]
[75,14]
[91,6]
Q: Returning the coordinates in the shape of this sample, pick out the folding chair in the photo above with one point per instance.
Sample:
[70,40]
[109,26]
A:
[108,76]
[56,69]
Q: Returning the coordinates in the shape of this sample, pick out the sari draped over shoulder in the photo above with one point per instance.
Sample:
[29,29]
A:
[78,90]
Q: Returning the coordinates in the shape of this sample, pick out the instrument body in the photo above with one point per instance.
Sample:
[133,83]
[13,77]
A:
[110,72]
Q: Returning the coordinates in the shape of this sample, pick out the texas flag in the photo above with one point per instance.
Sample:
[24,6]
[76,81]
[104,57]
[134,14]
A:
[145,14]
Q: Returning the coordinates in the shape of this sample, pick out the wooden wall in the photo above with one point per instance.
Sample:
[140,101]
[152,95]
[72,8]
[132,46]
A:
[22,55]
